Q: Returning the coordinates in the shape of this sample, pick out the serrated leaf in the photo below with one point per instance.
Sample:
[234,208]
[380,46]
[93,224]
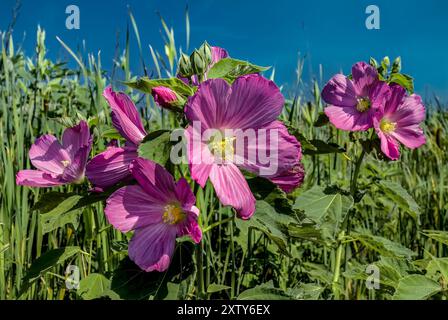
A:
[438,235]
[403,80]
[230,69]
[212,288]
[95,286]
[416,287]
[321,147]
[264,291]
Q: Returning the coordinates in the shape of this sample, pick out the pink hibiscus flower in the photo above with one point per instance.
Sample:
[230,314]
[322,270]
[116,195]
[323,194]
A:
[399,121]
[112,165]
[158,209]
[57,163]
[352,103]
[251,104]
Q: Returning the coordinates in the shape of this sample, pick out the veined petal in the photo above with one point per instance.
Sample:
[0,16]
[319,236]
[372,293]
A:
[411,136]
[125,116]
[37,178]
[200,159]
[340,91]
[348,118]
[184,194]
[364,76]
[254,102]
[218,54]
[232,189]
[410,112]
[75,138]
[75,171]
[47,155]
[190,226]
[130,208]
[270,151]
[389,146]
[154,179]
[152,247]
[290,179]
[111,166]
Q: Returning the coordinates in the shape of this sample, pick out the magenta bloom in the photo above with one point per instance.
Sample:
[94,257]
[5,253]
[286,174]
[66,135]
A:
[57,163]
[249,106]
[112,165]
[352,103]
[158,209]
[399,121]
[164,96]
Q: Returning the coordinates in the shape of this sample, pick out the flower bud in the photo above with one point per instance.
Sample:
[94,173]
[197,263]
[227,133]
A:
[185,66]
[166,98]
[198,63]
[206,53]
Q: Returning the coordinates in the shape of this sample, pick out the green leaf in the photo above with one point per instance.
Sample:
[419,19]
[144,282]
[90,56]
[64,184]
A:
[156,147]
[305,143]
[111,133]
[382,245]
[305,291]
[325,207]
[400,197]
[321,147]
[213,287]
[416,287]
[146,85]
[46,261]
[440,236]
[230,69]
[322,120]
[403,80]
[265,291]
[95,286]
[268,221]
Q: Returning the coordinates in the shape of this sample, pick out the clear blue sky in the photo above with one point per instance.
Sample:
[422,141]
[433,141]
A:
[266,32]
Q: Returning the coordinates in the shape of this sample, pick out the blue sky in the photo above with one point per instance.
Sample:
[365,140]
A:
[265,32]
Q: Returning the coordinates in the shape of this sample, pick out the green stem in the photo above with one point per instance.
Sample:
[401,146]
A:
[216,224]
[353,184]
[337,267]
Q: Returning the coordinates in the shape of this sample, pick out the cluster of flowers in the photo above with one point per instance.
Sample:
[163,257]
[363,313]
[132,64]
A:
[363,102]
[157,208]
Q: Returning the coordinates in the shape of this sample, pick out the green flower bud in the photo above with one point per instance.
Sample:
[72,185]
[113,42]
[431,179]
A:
[184,69]
[198,64]
[206,52]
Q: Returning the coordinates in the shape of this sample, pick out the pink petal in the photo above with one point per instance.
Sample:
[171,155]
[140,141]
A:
[152,247]
[209,103]
[130,208]
[75,171]
[75,138]
[254,102]
[200,159]
[190,226]
[364,76]
[411,136]
[339,91]
[409,113]
[47,154]
[154,179]
[184,194]
[125,116]
[290,179]
[274,151]
[218,54]
[348,118]
[111,166]
[389,146]
[37,178]
[232,189]
[397,94]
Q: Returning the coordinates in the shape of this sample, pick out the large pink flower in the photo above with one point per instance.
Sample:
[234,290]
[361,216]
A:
[158,209]
[112,165]
[399,121]
[352,102]
[250,105]
[57,163]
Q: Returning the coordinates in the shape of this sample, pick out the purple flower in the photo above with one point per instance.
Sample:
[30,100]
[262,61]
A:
[112,165]
[352,103]
[158,209]
[399,121]
[250,105]
[57,163]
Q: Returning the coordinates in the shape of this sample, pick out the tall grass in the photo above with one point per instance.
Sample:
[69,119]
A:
[39,96]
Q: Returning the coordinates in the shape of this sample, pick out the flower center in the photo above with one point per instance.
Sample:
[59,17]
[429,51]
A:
[173,214]
[387,126]
[363,104]
[65,163]
[222,148]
